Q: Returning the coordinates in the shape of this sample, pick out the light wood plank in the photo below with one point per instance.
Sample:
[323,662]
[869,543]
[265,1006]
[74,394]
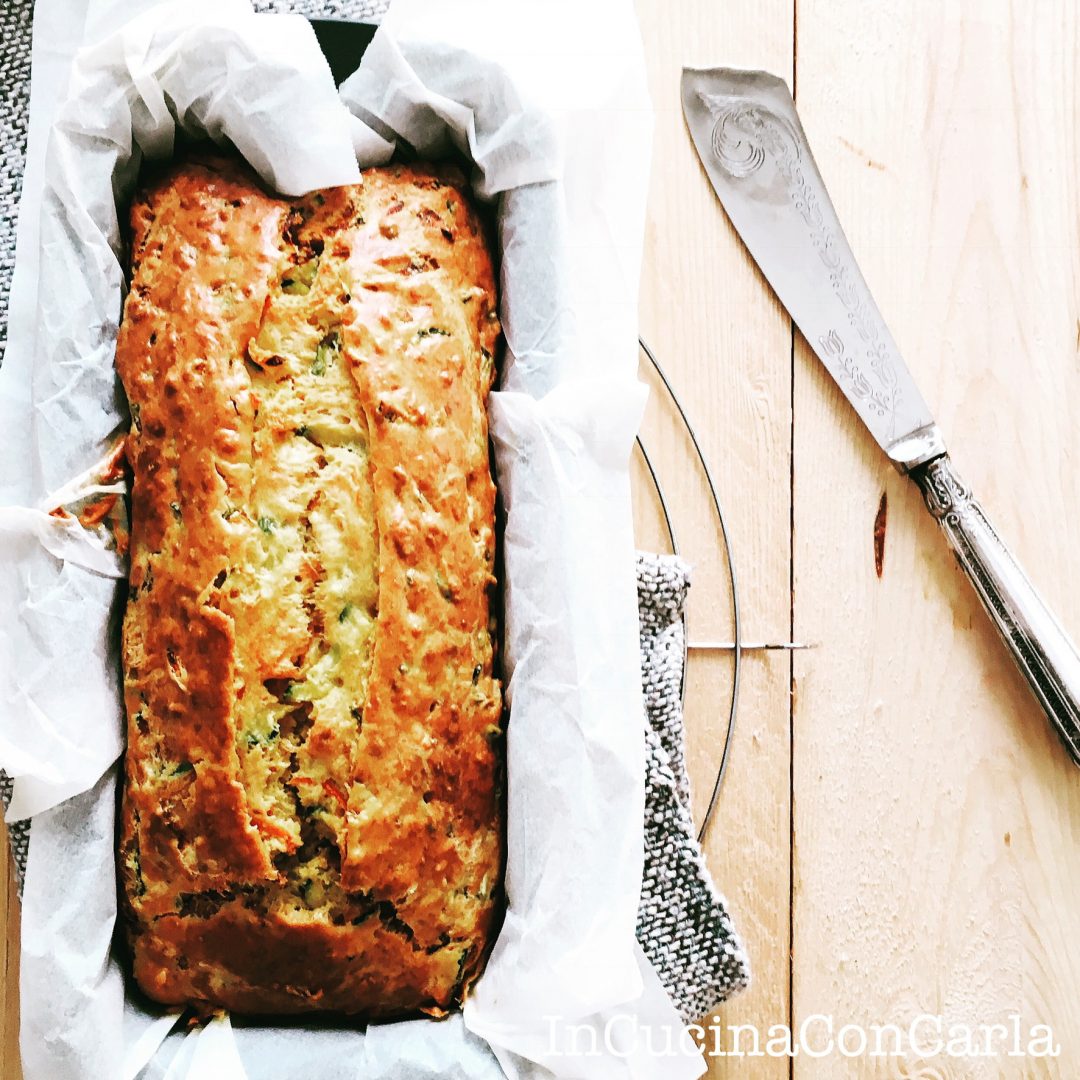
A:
[937,823]
[725,343]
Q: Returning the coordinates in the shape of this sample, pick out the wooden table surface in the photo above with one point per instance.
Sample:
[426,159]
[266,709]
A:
[898,834]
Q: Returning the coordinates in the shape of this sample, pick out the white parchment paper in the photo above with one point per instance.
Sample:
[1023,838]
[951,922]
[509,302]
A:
[547,103]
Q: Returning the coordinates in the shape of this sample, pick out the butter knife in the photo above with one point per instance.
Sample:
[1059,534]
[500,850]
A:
[753,147]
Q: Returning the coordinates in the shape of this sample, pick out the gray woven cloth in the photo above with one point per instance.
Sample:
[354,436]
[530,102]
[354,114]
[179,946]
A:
[683,924]
[15,18]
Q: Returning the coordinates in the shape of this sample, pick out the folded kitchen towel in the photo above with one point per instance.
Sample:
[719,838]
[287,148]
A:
[15,19]
[683,924]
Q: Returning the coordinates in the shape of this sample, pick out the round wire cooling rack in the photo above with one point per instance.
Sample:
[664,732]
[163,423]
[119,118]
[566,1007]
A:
[736,645]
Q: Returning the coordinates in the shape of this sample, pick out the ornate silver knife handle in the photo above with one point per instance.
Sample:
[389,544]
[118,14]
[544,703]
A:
[1040,647]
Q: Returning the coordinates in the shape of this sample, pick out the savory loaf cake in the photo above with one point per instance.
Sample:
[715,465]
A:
[312,809]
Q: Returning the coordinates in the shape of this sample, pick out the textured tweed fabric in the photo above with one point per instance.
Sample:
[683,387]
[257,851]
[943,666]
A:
[683,925]
[326,9]
[18,833]
[15,18]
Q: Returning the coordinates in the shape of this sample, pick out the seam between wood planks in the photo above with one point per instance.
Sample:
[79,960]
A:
[791,610]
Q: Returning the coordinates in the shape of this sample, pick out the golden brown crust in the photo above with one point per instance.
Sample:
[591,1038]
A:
[311,814]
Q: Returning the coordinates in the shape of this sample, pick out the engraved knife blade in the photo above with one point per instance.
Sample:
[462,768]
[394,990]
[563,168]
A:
[755,152]
[749,138]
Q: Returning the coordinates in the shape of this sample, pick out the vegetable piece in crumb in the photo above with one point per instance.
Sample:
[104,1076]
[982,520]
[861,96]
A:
[298,280]
[327,352]
[261,738]
[337,795]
